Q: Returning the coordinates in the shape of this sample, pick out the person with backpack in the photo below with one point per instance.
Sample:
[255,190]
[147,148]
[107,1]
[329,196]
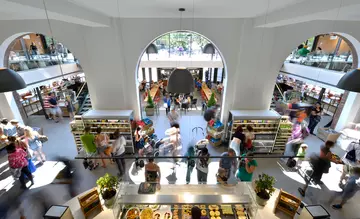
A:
[351,160]
[228,161]
[190,161]
[202,165]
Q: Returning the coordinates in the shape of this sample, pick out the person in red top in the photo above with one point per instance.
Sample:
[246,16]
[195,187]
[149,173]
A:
[17,160]
[47,106]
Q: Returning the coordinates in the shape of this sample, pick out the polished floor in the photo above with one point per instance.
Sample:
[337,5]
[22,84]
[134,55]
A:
[44,193]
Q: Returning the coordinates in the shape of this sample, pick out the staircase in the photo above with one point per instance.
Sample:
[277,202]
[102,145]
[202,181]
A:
[86,106]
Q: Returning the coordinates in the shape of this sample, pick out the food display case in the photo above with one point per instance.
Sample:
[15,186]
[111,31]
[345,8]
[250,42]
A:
[110,121]
[264,122]
[214,201]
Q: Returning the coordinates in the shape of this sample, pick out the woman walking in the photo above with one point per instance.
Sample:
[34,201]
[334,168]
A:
[32,140]
[237,143]
[190,161]
[102,143]
[18,162]
[315,117]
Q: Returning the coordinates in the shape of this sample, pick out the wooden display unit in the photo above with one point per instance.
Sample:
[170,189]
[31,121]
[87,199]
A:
[77,129]
[110,121]
[89,202]
[264,122]
[284,133]
[287,203]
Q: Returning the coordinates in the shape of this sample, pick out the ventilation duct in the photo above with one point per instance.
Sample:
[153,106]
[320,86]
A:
[209,49]
[350,81]
[181,81]
[10,80]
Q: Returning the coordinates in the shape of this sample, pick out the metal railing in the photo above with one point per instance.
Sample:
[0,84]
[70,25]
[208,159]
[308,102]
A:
[342,63]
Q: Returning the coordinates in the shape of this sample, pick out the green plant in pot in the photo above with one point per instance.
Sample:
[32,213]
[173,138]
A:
[211,101]
[107,185]
[264,188]
[150,107]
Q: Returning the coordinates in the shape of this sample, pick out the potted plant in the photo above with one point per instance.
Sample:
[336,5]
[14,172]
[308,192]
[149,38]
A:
[107,185]
[212,101]
[150,108]
[264,188]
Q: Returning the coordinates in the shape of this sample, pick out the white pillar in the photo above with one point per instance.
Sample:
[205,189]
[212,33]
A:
[349,112]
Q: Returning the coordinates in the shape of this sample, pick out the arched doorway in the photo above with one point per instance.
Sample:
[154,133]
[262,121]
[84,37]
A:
[310,74]
[180,50]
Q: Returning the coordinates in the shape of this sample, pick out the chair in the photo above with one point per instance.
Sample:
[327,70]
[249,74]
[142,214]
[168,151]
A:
[194,103]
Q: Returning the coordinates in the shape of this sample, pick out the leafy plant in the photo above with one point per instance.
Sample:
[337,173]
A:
[150,102]
[264,186]
[107,185]
[212,101]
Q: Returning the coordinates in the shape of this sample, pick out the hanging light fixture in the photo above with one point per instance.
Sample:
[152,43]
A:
[209,49]
[181,80]
[151,49]
[10,80]
[350,81]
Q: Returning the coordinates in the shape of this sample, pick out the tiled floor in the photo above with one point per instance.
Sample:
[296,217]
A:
[61,143]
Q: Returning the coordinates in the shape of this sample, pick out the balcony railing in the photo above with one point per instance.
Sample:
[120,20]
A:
[20,61]
[341,63]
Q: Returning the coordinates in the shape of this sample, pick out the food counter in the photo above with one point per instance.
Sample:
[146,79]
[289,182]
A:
[206,92]
[215,202]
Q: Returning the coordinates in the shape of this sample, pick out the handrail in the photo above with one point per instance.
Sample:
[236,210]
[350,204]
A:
[82,105]
[281,93]
[82,87]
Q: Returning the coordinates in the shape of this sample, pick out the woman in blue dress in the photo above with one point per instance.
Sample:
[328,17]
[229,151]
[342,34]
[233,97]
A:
[32,139]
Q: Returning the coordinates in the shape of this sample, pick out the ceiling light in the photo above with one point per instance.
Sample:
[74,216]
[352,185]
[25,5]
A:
[181,82]
[209,49]
[151,49]
[10,80]
[350,81]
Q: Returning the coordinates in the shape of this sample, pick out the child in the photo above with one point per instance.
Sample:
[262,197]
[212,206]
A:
[70,107]
[301,152]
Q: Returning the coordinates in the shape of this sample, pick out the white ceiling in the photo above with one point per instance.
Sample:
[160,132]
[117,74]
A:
[194,8]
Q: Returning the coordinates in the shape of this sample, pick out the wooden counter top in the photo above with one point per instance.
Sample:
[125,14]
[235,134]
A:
[153,92]
[207,91]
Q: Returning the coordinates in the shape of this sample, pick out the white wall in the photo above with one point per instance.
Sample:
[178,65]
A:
[109,55]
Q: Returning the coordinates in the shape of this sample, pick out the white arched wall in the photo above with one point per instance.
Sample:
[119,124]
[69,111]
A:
[109,55]
[174,31]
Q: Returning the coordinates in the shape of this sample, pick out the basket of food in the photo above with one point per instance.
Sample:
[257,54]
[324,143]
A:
[132,213]
[146,213]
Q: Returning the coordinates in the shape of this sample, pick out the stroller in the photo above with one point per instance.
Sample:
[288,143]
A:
[201,143]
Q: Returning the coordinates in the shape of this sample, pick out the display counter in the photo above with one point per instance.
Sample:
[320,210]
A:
[206,92]
[216,201]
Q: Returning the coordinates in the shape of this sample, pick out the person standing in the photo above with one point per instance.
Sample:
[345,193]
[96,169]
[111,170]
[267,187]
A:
[351,187]
[20,129]
[9,129]
[47,106]
[315,117]
[17,160]
[249,137]
[88,141]
[173,116]
[228,161]
[70,107]
[139,141]
[118,150]
[152,172]
[33,50]
[102,143]
[202,165]
[247,167]
[55,109]
[351,160]
[167,103]
[32,140]
[190,163]
[238,140]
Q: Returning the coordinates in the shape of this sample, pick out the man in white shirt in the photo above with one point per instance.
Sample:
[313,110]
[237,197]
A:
[119,151]
[348,164]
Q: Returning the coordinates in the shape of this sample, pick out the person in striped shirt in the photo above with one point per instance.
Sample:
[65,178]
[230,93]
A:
[47,106]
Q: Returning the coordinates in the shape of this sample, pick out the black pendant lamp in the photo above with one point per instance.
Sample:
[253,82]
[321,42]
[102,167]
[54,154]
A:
[151,49]
[10,80]
[181,82]
[350,81]
[209,49]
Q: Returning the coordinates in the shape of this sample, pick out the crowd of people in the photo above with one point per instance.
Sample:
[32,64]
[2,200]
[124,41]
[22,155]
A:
[22,144]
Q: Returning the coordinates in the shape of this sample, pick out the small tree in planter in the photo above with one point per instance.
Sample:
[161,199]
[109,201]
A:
[107,185]
[212,101]
[150,108]
[264,188]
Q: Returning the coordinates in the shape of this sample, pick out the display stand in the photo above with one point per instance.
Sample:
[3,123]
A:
[264,122]
[77,129]
[110,121]
[89,202]
[287,203]
[283,135]
[147,126]
[239,200]
[215,132]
